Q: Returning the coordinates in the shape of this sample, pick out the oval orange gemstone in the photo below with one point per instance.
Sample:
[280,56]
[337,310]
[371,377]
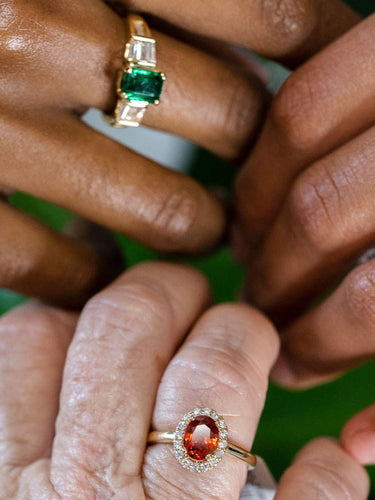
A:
[201,437]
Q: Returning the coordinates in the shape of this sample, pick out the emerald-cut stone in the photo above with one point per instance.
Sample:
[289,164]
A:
[142,85]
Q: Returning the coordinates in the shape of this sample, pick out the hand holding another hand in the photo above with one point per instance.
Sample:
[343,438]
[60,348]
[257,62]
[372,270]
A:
[144,351]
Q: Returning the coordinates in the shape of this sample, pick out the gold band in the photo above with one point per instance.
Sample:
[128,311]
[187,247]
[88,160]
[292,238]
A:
[160,437]
[138,27]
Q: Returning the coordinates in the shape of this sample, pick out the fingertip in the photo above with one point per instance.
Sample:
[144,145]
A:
[287,375]
[358,436]
[361,446]
[323,468]
[282,373]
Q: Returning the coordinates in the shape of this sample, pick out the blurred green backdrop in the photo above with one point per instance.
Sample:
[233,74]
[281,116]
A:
[289,419]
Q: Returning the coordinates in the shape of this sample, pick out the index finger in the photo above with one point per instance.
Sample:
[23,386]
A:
[125,337]
[287,30]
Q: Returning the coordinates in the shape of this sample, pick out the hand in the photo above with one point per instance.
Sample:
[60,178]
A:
[58,60]
[131,363]
[305,204]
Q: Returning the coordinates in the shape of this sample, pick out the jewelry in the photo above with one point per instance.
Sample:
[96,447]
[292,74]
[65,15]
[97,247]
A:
[201,440]
[138,82]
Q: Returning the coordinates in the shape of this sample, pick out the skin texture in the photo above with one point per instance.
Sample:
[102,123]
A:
[305,213]
[71,54]
[60,58]
[103,395]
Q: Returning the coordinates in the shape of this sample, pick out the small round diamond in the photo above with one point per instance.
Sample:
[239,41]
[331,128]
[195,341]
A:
[221,422]
[194,466]
[223,444]
[214,461]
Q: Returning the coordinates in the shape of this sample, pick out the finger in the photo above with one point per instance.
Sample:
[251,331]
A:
[220,108]
[77,168]
[336,335]
[33,344]
[358,436]
[288,30]
[321,106]
[325,225]
[323,470]
[123,342]
[39,262]
[224,365]
[204,100]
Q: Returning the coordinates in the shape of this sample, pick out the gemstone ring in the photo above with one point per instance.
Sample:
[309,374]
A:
[138,82]
[200,441]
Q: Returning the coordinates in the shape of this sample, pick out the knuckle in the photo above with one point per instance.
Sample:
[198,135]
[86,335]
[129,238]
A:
[296,109]
[139,304]
[225,364]
[175,217]
[313,211]
[289,21]
[359,290]
[237,117]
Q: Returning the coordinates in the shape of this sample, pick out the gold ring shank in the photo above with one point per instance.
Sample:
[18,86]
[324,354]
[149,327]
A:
[160,437]
[137,26]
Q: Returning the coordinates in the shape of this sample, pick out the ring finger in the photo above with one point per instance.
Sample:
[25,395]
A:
[224,365]
[203,100]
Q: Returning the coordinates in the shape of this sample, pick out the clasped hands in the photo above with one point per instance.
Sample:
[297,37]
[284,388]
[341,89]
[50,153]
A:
[303,195]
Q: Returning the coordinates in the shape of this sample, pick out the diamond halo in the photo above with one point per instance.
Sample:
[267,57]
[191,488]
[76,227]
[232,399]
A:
[212,459]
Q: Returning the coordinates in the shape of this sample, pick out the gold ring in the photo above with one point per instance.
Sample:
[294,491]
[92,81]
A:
[138,82]
[201,440]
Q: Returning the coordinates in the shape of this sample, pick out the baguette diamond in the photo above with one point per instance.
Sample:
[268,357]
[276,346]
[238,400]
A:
[130,114]
[142,50]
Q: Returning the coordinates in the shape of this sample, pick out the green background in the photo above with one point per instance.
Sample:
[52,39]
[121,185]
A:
[290,419]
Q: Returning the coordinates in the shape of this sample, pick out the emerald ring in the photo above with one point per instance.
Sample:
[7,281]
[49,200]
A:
[138,81]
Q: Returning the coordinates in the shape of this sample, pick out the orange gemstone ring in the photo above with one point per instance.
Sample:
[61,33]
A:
[200,441]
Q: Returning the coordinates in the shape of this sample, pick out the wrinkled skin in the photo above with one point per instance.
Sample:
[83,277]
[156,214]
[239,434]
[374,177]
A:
[60,58]
[78,398]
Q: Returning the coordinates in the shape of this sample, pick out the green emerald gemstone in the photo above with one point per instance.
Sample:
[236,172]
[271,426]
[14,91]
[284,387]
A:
[142,85]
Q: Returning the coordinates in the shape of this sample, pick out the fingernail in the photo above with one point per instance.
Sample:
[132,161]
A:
[362,446]
[282,372]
